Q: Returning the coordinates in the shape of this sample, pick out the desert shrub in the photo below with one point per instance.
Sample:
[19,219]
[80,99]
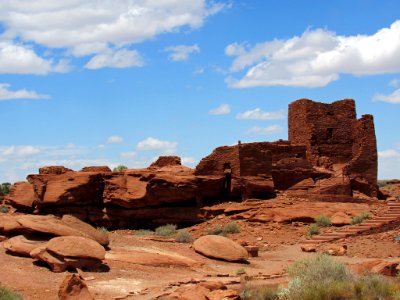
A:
[8,294]
[231,227]
[166,230]
[5,188]
[259,293]
[382,183]
[102,229]
[183,236]
[217,230]
[4,209]
[323,221]
[120,168]
[312,229]
[144,232]
[375,286]
[360,218]
[320,277]
[240,271]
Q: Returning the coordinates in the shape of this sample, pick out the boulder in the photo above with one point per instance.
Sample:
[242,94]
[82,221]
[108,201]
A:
[340,219]
[383,267]
[51,225]
[61,253]
[68,189]
[56,170]
[335,250]
[189,293]
[74,287]
[308,248]
[23,245]
[219,247]
[22,196]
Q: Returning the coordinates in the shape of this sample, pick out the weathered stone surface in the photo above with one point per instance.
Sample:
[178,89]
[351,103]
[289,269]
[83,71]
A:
[204,290]
[74,287]
[61,253]
[23,245]
[164,161]
[70,188]
[99,169]
[219,247]
[51,225]
[308,248]
[56,170]
[189,293]
[22,196]
[340,219]
[383,267]
[335,249]
[223,295]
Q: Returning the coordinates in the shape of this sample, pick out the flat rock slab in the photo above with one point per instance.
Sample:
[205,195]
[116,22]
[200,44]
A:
[22,245]
[219,247]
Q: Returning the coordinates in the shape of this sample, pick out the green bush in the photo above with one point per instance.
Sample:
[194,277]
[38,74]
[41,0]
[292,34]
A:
[313,229]
[323,221]
[217,230]
[231,227]
[102,229]
[240,271]
[360,218]
[5,188]
[144,232]
[120,168]
[375,286]
[166,230]
[183,236]
[7,294]
[4,209]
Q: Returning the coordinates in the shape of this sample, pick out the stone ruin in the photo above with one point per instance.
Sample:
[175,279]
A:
[330,156]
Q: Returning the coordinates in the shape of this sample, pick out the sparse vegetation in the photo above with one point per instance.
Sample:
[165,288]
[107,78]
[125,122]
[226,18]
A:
[231,227]
[5,188]
[240,271]
[166,230]
[120,168]
[183,236]
[313,229]
[4,209]
[259,293]
[8,294]
[382,183]
[144,232]
[360,218]
[217,230]
[323,221]
[102,229]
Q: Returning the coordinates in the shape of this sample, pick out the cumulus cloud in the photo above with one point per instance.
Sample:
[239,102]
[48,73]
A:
[155,144]
[116,59]
[315,58]
[258,114]
[389,153]
[189,161]
[223,109]
[94,27]
[7,94]
[19,150]
[115,139]
[391,98]
[181,52]
[394,83]
[20,59]
[273,129]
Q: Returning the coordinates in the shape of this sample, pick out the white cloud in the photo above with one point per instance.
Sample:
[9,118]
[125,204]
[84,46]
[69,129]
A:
[223,109]
[389,153]
[6,94]
[19,150]
[391,98]
[258,114]
[189,161]
[129,155]
[20,59]
[115,139]
[273,129]
[116,59]
[315,58]
[181,52]
[90,26]
[155,144]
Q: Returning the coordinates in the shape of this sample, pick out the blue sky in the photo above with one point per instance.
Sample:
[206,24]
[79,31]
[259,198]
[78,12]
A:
[101,82]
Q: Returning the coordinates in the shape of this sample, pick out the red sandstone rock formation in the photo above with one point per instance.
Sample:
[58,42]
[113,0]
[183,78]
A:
[329,156]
